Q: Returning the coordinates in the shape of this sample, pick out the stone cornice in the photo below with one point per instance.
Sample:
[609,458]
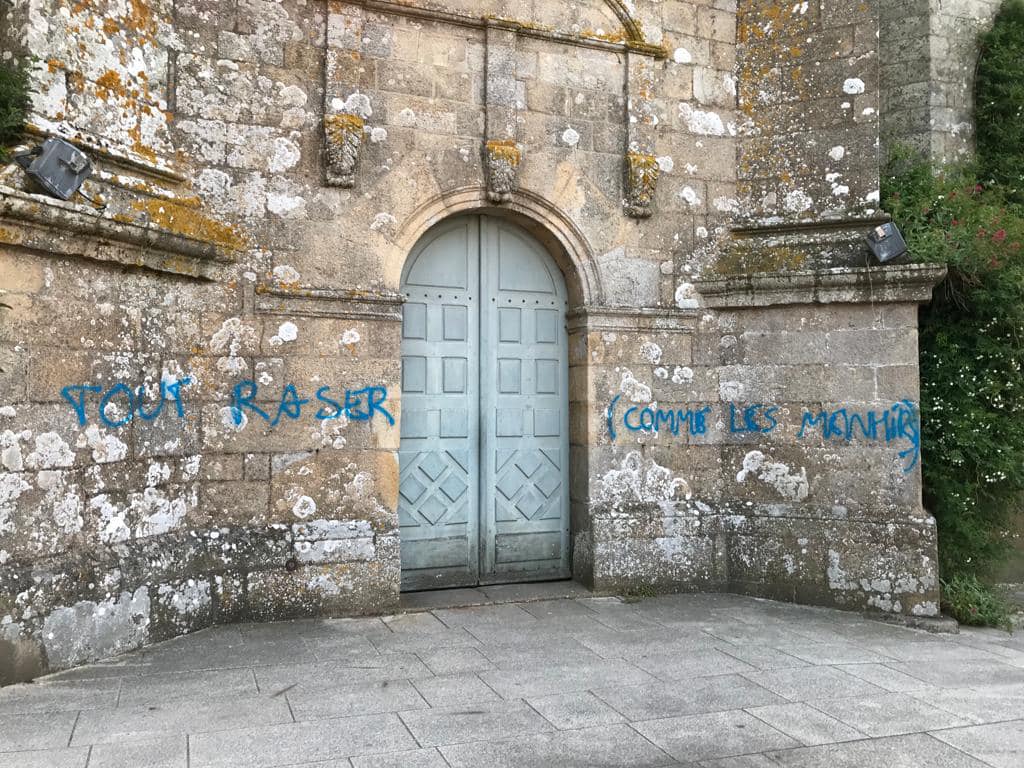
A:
[631,39]
[621,319]
[181,247]
[904,283]
[326,302]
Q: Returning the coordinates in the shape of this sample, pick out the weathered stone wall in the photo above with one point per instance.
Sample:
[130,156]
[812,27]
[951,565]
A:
[266,167]
[929,55]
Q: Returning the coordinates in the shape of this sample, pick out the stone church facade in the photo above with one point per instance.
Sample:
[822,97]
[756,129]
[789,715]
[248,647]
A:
[372,295]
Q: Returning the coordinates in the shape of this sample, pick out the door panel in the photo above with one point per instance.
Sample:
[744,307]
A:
[437,506]
[484,455]
[524,405]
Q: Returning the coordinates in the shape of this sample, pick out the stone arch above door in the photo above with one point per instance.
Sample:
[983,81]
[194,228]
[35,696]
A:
[564,241]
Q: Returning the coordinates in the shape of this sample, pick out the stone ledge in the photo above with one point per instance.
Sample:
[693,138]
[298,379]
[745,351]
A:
[49,225]
[618,319]
[324,302]
[905,283]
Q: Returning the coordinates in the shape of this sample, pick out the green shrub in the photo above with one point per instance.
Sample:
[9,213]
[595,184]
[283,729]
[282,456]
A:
[14,103]
[972,355]
[976,604]
[999,101]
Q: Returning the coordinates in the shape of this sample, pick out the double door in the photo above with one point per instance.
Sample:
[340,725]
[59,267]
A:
[484,493]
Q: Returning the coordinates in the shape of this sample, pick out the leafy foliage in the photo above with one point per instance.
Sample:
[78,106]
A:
[972,354]
[14,102]
[999,101]
[975,604]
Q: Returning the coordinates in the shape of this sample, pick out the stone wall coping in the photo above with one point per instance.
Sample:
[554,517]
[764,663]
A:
[47,224]
[902,283]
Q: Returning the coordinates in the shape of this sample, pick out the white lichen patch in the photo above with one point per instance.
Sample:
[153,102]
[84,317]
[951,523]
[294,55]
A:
[789,485]
[50,451]
[640,480]
[570,137]
[853,86]
[286,274]
[703,123]
[286,332]
[106,448]
[682,375]
[650,352]
[798,201]
[231,340]
[634,389]
[304,507]
[686,296]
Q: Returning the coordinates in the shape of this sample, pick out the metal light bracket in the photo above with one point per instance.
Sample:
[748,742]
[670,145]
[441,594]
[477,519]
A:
[57,166]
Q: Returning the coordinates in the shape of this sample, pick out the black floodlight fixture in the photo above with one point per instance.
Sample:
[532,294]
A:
[886,242]
[57,166]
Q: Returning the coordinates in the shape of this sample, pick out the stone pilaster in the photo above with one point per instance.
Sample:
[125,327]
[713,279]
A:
[502,153]
[642,171]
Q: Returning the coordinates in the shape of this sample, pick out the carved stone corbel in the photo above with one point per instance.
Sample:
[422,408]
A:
[344,136]
[642,174]
[502,158]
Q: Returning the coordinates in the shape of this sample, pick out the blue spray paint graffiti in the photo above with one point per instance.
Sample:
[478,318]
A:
[899,423]
[355,408]
[354,405]
[130,401]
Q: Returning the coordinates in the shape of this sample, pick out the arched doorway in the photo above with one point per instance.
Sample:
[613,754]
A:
[484,456]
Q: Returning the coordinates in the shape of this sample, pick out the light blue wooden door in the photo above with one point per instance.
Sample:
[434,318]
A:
[524,408]
[440,444]
[483,496]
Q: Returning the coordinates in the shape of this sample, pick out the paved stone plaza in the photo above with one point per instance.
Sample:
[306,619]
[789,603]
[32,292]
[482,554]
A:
[708,680]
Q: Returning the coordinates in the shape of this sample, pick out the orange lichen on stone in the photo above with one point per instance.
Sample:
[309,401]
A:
[338,126]
[189,222]
[505,149]
[111,27]
[109,82]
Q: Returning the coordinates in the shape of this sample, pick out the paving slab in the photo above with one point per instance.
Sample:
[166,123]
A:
[605,747]
[806,724]
[44,730]
[46,758]
[890,714]
[1000,745]
[417,758]
[914,751]
[449,690]
[812,683]
[59,696]
[540,681]
[718,734]
[163,752]
[318,741]
[575,710]
[979,705]
[474,722]
[135,723]
[699,696]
